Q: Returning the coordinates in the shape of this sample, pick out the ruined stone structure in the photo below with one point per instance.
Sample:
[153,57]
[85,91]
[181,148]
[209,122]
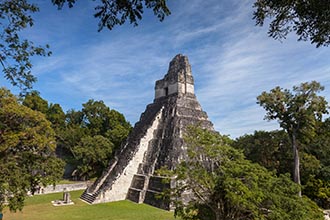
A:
[156,141]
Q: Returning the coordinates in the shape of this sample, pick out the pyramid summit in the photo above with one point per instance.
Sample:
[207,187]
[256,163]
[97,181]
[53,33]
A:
[178,80]
[156,141]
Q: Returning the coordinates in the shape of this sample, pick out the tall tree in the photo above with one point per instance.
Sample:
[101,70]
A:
[27,156]
[297,113]
[90,136]
[34,101]
[101,120]
[309,19]
[56,115]
[54,112]
[94,154]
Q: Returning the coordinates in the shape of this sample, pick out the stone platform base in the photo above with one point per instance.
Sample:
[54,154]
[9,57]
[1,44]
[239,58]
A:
[61,203]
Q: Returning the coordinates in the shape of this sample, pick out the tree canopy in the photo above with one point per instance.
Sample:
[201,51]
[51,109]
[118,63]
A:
[297,112]
[27,157]
[15,52]
[310,20]
[30,132]
[117,12]
[90,137]
[54,112]
[272,149]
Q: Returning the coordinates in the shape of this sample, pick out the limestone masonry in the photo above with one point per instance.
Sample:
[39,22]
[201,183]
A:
[156,141]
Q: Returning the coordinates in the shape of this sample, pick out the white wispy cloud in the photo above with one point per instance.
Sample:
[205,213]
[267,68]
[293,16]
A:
[233,61]
[247,64]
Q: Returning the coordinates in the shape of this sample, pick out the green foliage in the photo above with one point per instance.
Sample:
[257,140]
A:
[273,151]
[94,153]
[91,136]
[319,191]
[53,112]
[35,102]
[309,19]
[15,52]
[223,182]
[297,112]
[73,117]
[112,13]
[270,149]
[320,147]
[26,151]
[100,120]
[56,115]
[310,166]
[317,185]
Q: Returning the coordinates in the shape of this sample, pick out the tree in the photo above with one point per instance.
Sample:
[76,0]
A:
[35,102]
[101,120]
[56,116]
[297,113]
[54,112]
[319,191]
[320,147]
[16,15]
[90,136]
[117,12]
[27,156]
[15,52]
[224,185]
[94,154]
[309,19]
[317,186]
[270,149]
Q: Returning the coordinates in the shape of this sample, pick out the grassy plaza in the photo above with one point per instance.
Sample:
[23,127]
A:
[40,208]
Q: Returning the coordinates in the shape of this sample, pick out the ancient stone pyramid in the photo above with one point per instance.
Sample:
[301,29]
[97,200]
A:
[156,141]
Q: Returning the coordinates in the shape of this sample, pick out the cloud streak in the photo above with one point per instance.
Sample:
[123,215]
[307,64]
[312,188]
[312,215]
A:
[232,60]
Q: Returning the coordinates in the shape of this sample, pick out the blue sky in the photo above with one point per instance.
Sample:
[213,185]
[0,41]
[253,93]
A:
[232,60]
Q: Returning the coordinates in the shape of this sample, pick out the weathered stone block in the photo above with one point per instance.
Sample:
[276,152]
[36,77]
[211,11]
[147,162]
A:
[138,182]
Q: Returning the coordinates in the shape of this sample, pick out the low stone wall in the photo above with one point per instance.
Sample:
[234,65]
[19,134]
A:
[63,187]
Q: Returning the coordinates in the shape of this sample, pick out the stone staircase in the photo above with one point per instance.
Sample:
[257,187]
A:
[91,193]
[95,193]
[88,197]
[140,182]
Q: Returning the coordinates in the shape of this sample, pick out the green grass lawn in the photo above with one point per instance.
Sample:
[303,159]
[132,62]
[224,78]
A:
[40,208]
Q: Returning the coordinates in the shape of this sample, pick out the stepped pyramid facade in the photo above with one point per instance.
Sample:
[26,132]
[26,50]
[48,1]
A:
[156,141]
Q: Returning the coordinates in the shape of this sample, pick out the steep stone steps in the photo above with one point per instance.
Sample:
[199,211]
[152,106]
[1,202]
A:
[87,197]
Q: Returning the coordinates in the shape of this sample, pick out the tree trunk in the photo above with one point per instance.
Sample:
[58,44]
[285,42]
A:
[217,216]
[296,171]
